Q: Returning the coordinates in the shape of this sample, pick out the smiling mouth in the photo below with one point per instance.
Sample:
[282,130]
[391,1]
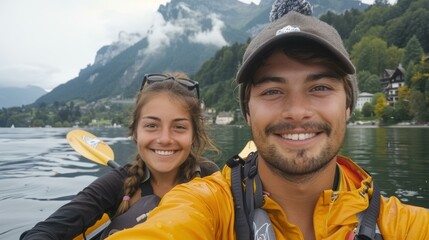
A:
[164,152]
[298,136]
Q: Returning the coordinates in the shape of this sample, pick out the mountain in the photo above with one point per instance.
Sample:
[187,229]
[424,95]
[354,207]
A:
[16,97]
[185,34]
[337,6]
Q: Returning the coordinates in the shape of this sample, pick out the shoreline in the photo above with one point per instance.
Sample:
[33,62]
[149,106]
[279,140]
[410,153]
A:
[390,126]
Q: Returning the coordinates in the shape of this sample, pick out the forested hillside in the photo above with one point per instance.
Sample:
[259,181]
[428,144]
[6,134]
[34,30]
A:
[382,37]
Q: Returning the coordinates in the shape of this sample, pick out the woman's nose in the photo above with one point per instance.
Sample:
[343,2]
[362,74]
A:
[164,137]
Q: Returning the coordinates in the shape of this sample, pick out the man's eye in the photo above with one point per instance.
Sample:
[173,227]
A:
[271,92]
[320,88]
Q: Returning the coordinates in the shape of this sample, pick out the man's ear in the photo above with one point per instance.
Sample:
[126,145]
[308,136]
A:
[348,113]
[248,120]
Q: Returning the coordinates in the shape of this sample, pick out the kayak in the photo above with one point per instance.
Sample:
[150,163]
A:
[95,230]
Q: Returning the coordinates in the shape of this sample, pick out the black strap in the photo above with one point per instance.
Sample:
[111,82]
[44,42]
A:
[254,196]
[368,224]
[241,224]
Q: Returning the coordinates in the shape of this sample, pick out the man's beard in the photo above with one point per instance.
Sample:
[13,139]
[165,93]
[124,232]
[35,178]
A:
[300,167]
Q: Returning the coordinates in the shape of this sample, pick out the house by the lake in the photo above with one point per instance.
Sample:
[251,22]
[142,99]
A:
[391,81]
[224,118]
[363,98]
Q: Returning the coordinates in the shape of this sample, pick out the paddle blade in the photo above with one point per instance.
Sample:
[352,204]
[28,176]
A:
[250,147]
[90,146]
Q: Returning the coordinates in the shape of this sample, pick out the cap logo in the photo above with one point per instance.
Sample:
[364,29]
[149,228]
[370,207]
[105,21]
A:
[288,29]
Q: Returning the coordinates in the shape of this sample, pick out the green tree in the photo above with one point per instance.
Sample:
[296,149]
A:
[394,56]
[368,82]
[412,52]
[38,123]
[368,110]
[388,116]
[343,23]
[355,116]
[402,112]
[370,54]
[418,107]
[410,71]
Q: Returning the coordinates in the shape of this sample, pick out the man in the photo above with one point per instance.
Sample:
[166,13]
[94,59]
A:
[297,90]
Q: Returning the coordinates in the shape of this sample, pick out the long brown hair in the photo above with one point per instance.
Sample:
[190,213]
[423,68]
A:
[200,141]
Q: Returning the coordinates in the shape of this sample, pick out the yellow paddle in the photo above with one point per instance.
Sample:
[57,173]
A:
[250,147]
[91,147]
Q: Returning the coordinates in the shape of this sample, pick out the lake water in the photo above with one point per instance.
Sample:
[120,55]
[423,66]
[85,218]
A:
[39,171]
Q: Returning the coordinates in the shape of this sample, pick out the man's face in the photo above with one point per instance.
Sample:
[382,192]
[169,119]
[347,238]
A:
[298,115]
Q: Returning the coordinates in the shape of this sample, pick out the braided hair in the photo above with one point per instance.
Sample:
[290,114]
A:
[200,141]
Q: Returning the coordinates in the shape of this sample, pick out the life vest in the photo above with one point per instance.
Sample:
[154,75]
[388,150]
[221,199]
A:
[252,222]
[138,212]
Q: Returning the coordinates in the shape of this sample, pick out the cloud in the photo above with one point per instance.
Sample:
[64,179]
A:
[22,75]
[161,33]
[214,36]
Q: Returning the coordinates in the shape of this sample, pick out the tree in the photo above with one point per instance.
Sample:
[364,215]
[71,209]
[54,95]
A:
[402,112]
[368,82]
[412,52]
[394,56]
[388,115]
[370,54]
[380,105]
[418,106]
[411,70]
[404,93]
[368,110]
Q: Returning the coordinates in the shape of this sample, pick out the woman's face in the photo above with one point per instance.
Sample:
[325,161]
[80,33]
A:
[164,134]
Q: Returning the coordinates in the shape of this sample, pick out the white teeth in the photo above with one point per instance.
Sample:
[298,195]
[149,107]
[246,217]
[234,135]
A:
[164,153]
[301,136]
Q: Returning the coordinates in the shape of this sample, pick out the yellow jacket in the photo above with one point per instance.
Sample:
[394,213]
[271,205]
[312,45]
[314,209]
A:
[204,209]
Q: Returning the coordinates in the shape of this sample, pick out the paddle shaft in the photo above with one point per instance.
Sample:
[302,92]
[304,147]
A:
[113,164]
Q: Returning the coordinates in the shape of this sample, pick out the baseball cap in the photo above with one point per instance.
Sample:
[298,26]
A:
[294,25]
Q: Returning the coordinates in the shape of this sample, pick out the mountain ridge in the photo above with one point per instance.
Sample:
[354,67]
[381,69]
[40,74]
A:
[185,34]
[18,96]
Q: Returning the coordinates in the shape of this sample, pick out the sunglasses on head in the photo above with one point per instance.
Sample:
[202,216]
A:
[158,77]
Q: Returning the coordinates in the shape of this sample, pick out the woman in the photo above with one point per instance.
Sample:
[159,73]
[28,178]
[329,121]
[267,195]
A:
[167,126]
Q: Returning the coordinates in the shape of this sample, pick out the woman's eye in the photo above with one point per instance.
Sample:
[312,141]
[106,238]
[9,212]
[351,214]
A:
[180,127]
[149,125]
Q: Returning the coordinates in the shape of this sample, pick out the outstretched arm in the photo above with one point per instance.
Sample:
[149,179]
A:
[200,209]
[101,196]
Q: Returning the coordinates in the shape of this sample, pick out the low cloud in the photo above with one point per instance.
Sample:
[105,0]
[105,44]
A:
[214,36]
[161,34]
[22,75]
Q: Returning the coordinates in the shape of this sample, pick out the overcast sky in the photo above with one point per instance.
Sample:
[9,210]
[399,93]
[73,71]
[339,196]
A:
[46,42]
